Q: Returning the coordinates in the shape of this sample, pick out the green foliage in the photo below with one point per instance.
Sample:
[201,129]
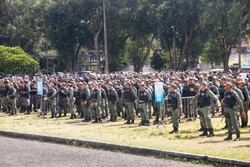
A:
[212,54]
[158,61]
[13,60]
[185,26]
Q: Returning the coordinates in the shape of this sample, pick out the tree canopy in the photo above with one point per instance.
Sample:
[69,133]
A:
[184,30]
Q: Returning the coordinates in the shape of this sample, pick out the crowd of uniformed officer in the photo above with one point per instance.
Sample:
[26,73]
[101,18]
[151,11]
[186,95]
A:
[106,97]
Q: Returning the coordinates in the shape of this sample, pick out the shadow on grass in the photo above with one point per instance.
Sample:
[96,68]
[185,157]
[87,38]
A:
[243,146]
[114,125]
[245,139]
[212,142]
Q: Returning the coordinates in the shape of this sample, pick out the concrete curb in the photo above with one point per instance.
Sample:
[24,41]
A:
[126,149]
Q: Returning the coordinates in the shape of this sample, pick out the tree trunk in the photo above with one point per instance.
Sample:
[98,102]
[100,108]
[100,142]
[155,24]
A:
[138,68]
[96,40]
[182,55]
[174,49]
[225,57]
[145,57]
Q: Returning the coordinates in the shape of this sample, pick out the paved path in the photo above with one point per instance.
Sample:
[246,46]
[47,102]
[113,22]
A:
[25,153]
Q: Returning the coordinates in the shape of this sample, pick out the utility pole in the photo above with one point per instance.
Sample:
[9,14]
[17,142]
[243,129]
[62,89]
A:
[240,38]
[105,38]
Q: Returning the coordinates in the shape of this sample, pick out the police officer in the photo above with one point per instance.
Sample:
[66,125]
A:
[185,89]
[244,115]
[95,103]
[193,89]
[51,95]
[12,99]
[63,100]
[215,105]
[85,101]
[129,97]
[144,97]
[33,96]
[222,93]
[175,107]
[119,105]
[78,96]
[103,101]
[71,101]
[3,95]
[230,101]
[24,93]
[239,93]
[204,97]
[112,100]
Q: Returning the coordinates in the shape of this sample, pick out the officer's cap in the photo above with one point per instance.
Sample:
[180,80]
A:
[110,84]
[26,81]
[211,83]
[203,83]
[228,84]
[128,83]
[233,81]
[185,80]
[6,81]
[224,78]
[173,86]
[176,83]
[242,82]
[83,83]
[142,83]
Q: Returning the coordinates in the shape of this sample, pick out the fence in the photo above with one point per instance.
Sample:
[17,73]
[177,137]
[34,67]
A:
[189,111]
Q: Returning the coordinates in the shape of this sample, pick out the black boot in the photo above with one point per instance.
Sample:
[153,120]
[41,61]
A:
[211,132]
[201,129]
[156,121]
[128,122]
[133,121]
[115,119]
[100,120]
[96,120]
[204,133]
[142,123]
[229,137]
[111,119]
[147,123]
[175,130]
[237,136]
[72,116]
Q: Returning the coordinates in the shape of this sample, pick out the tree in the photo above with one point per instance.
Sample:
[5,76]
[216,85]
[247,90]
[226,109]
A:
[212,54]
[222,18]
[158,61]
[68,28]
[13,60]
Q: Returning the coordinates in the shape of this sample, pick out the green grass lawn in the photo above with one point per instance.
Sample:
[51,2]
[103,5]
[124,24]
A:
[187,140]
